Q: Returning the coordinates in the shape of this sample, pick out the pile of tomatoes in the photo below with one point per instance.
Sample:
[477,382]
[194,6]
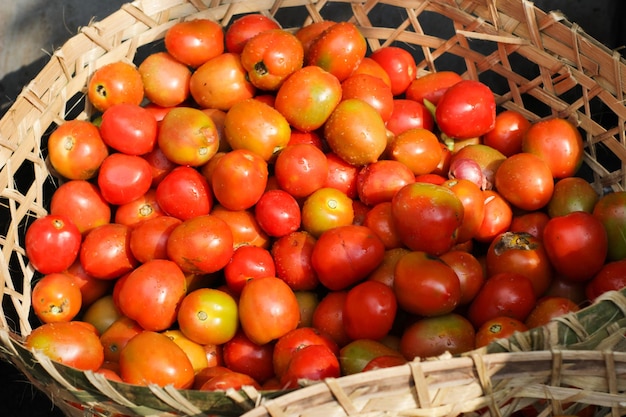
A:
[258,207]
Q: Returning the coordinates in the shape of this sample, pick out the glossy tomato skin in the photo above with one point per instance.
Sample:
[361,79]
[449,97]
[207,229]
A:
[115,337]
[278,213]
[194,42]
[123,178]
[296,339]
[409,114]
[328,316]
[117,82]
[370,89]
[244,356]
[473,202]
[497,217]
[301,169]
[91,288]
[292,258]
[431,86]
[184,193]
[239,179]
[208,316]
[244,227]
[355,355]
[165,79]
[380,220]
[245,28]
[248,262]
[105,252]
[129,128]
[548,308]
[417,148]
[56,298]
[611,277]
[313,362]
[148,240]
[139,210]
[325,209]
[508,132]
[611,211]
[525,181]
[498,328]
[532,223]
[433,336]
[52,243]
[469,271]
[370,310]
[379,181]
[399,65]
[572,194]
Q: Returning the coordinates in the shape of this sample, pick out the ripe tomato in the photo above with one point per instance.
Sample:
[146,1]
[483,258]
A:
[230,380]
[72,343]
[355,355]
[244,227]
[248,262]
[166,364]
[194,351]
[370,67]
[532,223]
[76,149]
[338,50]
[208,316]
[385,272]
[611,211]
[312,363]
[239,179]
[379,181]
[380,220]
[473,202]
[184,193]
[572,194]
[611,277]
[419,149]
[91,288]
[278,213]
[548,308]
[409,114]
[498,328]
[301,169]
[308,33]
[525,181]
[244,28]
[115,337]
[296,339]
[56,298]
[139,210]
[268,309]
[576,244]
[468,270]
[399,65]
[102,313]
[129,128]
[328,316]
[466,110]
[117,82]
[105,252]
[508,133]
[244,356]
[159,164]
[497,217]
[325,209]
[341,175]
[370,89]
[370,310]
[123,178]
[431,86]
[307,302]
[292,258]
[193,42]
[52,243]
[433,336]
[165,79]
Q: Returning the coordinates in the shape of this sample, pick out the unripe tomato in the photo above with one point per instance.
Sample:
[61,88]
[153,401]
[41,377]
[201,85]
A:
[208,316]
[433,336]
[611,211]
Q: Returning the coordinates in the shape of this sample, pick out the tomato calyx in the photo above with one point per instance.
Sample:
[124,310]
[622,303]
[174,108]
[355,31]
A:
[261,69]
[495,328]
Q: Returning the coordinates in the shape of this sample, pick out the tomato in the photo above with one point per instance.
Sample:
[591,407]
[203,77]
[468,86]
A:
[301,169]
[467,109]
[380,220]
[558,142]
[91,288]
[244,28]
[184,193]
[220,82]
[409,114]
[105,252]
[611,277]
[244,227]
[427,217]
[129,128]
[248,262]
[117,82]
[102,313]
[385,272]
[355,355]
[338,50]
[370,310]
[207,373]
[611,211]
[229,380]
[468,270]
[201,245]
[166,364]
[56,298]
[52,243]
[115,337]
[562,287]
[71,343]
[159,164]
[194,351]
[244,356]
[208,316]
[308,97]
[433,336]
[292,259]
[239,179]
[498,328]
[165,79]
[522,253]
[82,203]
[525,181]
[379,181]
[270,57]
[278,213]
[193,42]
[148,240]
[399,65]
[307,302]
[268,309]
[344,255]
[295,340]
[572,194]
[506,294]
[497,217]
[431,86]
[139,210]
[326,208]
[328,316]
[370,89]
[473,202]
[123,178]
[532,223]
[576,244]
[508,132]
[311,363]
[370,67]
[418,149]
[76,150]
[548,308]
[386,361]
[341,175]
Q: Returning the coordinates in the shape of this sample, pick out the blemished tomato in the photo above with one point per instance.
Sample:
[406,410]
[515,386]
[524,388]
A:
[208,316]
[129,128]
[525,181]
[166,364]
[508,133]
[151,294]
[105,252]
[115,337]
[468,270]
[123,178]
[245,28]
[370,310]
[611,211]
[576,244]
[184,193]
[433,336]
[409,114]
[497,217]
[418,149]
[380,220]
[194,351]
[473,202]
[56,298]
[76,149]
[313,363]
[548,308]
[328,316]
[296,339]
[370,89]
[239,179]
[268,309]
[244,227]
[193,42]
[611,277]
[431,86]
[505,294]
[399,65]
[244,356]
[248,262]
[301,169]
[326,208]
[344,255]
[558,142]
[117,82]
[278,213]
[72,343]
[292,259]
[165,79]
[379,181]
[532,223]
[498,328]
[341,175]
[572,194]
[52,243]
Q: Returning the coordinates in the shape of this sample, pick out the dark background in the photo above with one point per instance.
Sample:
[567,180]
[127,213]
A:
[602,19]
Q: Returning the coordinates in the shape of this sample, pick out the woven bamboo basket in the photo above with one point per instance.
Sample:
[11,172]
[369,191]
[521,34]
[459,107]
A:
[536,62]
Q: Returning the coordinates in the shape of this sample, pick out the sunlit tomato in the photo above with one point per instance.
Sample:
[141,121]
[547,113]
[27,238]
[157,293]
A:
[184,193]
[239,179]
[312,363]
[548,308]
[497,217]
[418,149]
[115,337]
[433,336]
[308,97]
[301,169]
[399,65]
[229,380]
[194,351]
[572,194]
[473,202]
[370,67]
[129,128]
[82,203]
[576,244]
[248,262]
[268,309]
[220,82]
[355,355]
[292,259]
[76,149]
[557,142]
[105,252]
[244,227]
[278,213]
[532,223]
[370,89]
[208,316]
[380,220]
[508,132]
[611,211]
[52,243]
[431,86]
[431,179]
[71,343]
[201,245]
[193,42]
[345,255]
[466,110]
[379,181]
[525,181]
[117,82]
[165,79]
[611,277]
[427,217]
[91,288]
[123,178]
[468,270]
[102,313]
[244,356]
[270,57]
[338,50]
[259,128]
[166,364]
[56,298]
[498,328]
[341,175]
[326,208]
[148,240]
[159,164]
[506,294]
[370,310]
[522,253]
[313,138]
[246,27]
[488,158]
[409,114]
[296,339]
[139,210]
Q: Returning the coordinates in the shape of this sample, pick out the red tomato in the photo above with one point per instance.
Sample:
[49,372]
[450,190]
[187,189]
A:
[76,150]
[370,310]
[297,339]
[248,262]
[386,361]
[380,220]
[548,308]
[246,357]
[292,258]
[278,213]
[370,67]
[497,217]
[139,210]
[473,202]
[379,181]
[117,335]
[431,86]
[468,270]
[301,169]
[508,133]
[370,89]
[91,288]
[525,181]
[328,316]
[165,79]
[355,355]
[433,336]
[129,128]
[82,203]
[117,82]
[399,65]
[159,164]
[244,227]
[313,363]
[184,193]
[498,328]
[572,194]
[341,175]
[409,114]
[56,298]
[244,28]
[418,149]
[193,42]
[148,240]
[208,316]
[576,244]
[229,380]
[105,252]
[239,179]
[52,243]
[308,33]
[325,209]
[611,277]
[532,223]
[611,211]
[123,178]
